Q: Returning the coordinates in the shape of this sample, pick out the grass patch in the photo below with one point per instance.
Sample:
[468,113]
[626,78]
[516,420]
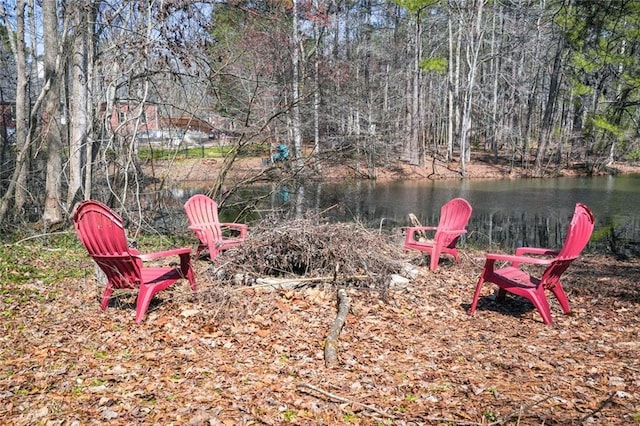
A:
[29,266]
[44,260]
[181,153]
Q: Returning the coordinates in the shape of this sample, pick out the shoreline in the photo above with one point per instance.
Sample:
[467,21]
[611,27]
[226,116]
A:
[199,170]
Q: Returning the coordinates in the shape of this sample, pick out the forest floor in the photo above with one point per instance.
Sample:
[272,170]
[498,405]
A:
[240,351]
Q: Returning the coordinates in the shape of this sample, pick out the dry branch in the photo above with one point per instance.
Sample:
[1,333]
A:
[311,389]
[271,283]
[415,222]
[331,344]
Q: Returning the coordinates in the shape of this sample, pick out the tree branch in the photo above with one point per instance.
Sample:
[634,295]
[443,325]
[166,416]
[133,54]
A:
[331,344]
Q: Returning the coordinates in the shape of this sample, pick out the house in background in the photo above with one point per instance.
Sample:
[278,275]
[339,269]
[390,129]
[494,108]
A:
[7,122]
[8,82]
[150,126]
[127,119]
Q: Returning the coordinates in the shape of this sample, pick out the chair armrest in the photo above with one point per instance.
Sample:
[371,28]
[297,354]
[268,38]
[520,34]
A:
[411,231]
[156,255]
[203,227]
[234,225]
[537,251]
[517,259]
[241,227]
[421,228]
[454,231]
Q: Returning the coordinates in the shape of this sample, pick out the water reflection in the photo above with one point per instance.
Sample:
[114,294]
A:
[506,213]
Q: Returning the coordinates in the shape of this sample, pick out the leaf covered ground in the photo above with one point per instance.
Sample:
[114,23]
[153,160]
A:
[239,353]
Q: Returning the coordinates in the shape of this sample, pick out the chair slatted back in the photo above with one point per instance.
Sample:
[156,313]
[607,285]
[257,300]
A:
[578,235]
[454,215]
[202,210]
[102,233]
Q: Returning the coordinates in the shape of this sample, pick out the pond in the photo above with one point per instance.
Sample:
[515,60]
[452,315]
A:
[506,213]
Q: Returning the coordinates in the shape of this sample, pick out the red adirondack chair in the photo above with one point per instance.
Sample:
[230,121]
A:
[514,280]
[454,216]
[202,213]
[102,233]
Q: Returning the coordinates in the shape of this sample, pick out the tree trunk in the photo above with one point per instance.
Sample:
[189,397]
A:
[88,163]
[457,87]
[316,94]
[411,151]
[473,52]
[450,96]
[295,93]
[370,143]
[496,134]
[545,127]
[416,154]
[79,106]
[18,184]
[50,124]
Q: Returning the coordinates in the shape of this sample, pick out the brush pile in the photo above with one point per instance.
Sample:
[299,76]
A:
[311,248]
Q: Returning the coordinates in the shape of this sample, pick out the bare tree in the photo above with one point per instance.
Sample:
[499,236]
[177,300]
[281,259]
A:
[552,96]
[472,24]
[295,89]
[50,129]
[412,152]
[79,108]
[17,188]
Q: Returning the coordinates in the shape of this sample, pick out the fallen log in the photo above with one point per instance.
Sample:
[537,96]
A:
[331,344]
[271,283]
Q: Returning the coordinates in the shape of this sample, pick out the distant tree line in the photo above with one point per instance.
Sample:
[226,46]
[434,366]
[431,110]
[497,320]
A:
[540,83]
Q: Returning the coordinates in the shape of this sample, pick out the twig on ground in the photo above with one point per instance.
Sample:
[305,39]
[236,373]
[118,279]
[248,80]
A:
[331,344]
[603,404]
[520,411]
[311,389]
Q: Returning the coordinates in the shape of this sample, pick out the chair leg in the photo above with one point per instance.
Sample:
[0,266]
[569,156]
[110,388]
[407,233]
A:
[213,253]
[145,295]
[502,294]
[186,269]
[192,279]
[541,303]
[199,250]
[435,258]
[558,291]
[476,295]
[106,296]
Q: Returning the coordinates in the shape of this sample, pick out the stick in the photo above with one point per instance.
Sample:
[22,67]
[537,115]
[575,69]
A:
[306,388]
[602,405]
[285,283]
[331,345]
[416,222]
